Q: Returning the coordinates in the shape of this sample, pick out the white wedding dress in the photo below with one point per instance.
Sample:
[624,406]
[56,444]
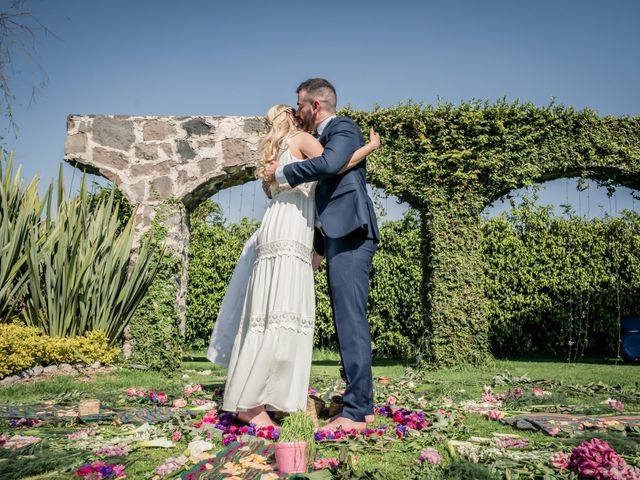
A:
[264,331]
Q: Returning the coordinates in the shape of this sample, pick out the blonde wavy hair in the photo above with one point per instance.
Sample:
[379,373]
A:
[280,121]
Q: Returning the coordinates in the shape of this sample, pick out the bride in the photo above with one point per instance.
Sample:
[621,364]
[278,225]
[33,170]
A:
[264,330]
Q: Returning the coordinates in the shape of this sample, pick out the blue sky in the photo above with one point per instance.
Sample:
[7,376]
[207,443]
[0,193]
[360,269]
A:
[158,57]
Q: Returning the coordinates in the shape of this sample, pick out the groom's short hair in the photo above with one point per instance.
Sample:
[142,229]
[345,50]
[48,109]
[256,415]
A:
[322,90]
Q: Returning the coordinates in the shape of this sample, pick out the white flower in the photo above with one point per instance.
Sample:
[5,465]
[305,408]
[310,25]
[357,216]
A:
[157,442]
[198,447]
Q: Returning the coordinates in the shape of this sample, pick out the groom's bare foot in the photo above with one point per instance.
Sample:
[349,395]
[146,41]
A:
[367,418]
[257,416]
[346,424]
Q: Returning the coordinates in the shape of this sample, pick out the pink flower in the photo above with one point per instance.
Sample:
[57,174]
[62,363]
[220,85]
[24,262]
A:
[537,392]
[430,455]
[559,460]
[118,470]
[86,433]
[20,441]
[596,459]
[510,442]
[447,402]
[391,400]
[325,463]
[189,389]
[140,393]
[170,465]
[179,403]
[554,431]
[495,414]
[84,470]
[115,451]
[176,436]
[517,392]
[131,392]
[162,397]
[616,405]
[487,397]
[211,417]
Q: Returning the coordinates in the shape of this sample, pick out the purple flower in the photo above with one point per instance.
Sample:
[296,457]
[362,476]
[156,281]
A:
[227,439]
[107,471]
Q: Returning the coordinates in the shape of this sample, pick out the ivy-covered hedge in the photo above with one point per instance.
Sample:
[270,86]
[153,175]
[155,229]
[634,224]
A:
[154,332]
[554,286]
[560,286]
[450,161]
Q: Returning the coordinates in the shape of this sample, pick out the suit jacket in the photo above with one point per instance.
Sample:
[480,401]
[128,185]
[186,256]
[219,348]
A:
[342,202]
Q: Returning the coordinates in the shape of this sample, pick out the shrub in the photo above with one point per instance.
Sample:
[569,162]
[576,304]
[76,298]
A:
[558,286]
[25,347]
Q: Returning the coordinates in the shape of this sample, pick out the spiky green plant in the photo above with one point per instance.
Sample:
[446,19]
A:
[20,210]
[80,277]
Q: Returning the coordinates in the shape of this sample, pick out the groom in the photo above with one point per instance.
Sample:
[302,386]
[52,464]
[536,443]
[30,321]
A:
[346,234]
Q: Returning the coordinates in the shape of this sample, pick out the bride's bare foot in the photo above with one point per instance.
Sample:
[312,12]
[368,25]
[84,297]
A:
[257,416]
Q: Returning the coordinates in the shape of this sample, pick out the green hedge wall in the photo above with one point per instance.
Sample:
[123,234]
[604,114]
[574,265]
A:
[450,161]
[560,286]
[554,286]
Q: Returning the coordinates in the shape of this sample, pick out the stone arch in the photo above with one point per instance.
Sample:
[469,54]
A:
[156,160]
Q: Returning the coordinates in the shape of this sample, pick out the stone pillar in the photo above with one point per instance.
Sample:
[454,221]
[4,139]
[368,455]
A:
[172,161]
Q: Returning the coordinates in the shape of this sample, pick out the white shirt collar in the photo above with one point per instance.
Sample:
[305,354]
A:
[324,124]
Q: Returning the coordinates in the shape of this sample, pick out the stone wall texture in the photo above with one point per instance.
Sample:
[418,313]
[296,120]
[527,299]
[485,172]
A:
[156,159]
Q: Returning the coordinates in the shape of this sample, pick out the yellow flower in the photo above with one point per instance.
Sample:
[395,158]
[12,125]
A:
[233,469]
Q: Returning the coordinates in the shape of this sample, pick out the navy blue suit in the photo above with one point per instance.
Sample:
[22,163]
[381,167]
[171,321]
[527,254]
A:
[349,236]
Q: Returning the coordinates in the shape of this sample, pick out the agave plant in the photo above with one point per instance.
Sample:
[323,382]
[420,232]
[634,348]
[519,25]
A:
[20,210]
[80,274]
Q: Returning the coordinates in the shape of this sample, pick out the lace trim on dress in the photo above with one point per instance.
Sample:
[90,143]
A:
[286,248]
[281,320]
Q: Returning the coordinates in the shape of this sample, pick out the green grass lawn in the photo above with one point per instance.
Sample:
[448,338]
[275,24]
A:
[583,385]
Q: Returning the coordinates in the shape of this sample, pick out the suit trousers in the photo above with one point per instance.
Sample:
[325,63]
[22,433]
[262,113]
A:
[348,264]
